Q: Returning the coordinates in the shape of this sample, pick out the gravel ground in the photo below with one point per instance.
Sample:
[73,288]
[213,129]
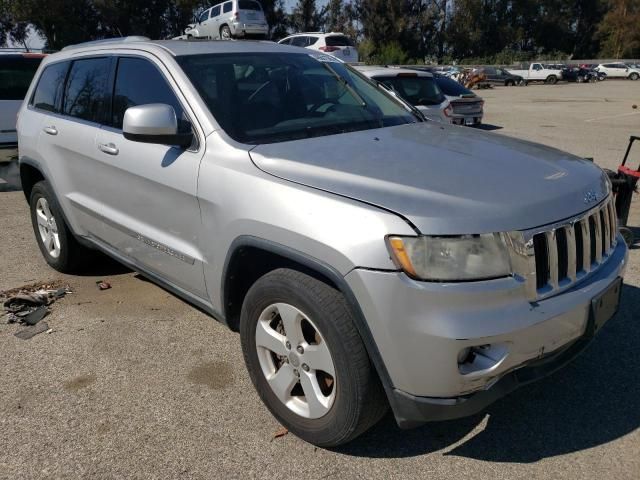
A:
[132,382]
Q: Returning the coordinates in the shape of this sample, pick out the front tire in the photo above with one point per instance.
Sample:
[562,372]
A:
[59,247]
[552,80]
[307,360]
[634,76]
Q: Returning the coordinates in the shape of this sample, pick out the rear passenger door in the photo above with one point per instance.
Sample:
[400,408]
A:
[68,132]
[147,192]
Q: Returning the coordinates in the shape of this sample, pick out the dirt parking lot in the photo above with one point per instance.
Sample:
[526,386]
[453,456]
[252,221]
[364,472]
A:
[132,382]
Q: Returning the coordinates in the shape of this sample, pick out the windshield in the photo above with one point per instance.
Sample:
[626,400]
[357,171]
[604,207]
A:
[274,97]
[452,88]
[414,89]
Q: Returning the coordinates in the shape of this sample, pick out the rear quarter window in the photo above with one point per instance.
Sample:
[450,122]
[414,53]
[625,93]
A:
[338,41]
[16,73]
[48,94]
[226,8]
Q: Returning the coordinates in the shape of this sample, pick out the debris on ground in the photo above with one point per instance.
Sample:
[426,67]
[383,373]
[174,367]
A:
[281,432]
[103,285]
[30,332]
[30,303]
[32,287]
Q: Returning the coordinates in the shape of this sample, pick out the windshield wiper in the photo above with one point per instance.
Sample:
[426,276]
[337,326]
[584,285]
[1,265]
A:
[346,84]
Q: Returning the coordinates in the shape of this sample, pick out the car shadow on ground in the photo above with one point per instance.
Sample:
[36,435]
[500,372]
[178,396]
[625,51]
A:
[593,400]
[487,127]
[10,176]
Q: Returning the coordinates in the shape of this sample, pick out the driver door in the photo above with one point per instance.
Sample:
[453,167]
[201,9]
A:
[147,192]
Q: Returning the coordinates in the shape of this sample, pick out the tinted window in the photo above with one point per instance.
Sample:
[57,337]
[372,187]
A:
[338,41]
[416,90]
[138,82]
[215,11]
[312,40]
[16,73]
[226,7]
[276,97]
[451,87]
[48,93]
[204,16]
[248,5]
[285,42]
[299,41]
[87,95]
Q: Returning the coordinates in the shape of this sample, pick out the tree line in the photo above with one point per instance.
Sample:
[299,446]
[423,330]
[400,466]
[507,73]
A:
[387,31]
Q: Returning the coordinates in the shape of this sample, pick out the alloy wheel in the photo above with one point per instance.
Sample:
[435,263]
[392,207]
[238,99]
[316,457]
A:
[47,228]
[295,360]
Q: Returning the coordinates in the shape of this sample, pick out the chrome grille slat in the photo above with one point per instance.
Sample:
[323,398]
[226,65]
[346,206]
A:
[571,252]
[552,256]
[546,258]
[598,230]
[586,242]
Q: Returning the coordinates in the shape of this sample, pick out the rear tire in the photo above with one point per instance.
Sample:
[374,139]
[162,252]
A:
[59,247]
[225,32]
[509,83]
[302,315]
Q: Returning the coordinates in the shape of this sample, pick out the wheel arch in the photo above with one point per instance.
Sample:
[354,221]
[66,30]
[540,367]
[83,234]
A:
[250,257]
[30,174]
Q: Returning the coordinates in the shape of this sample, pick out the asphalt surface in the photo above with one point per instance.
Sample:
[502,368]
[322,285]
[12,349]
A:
[134,383]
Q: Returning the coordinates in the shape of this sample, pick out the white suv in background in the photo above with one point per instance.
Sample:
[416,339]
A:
[16,72]
[232,19]
[333,43]
[618,70]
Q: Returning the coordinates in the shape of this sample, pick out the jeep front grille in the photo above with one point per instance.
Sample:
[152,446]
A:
[552,258]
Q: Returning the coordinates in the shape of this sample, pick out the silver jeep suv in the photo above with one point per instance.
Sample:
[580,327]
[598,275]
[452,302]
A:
[368,258]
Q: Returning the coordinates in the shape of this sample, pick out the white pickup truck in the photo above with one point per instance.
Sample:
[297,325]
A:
[539,73]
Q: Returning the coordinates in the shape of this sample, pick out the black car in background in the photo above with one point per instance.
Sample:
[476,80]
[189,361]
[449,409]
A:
[500,76]
[582,75]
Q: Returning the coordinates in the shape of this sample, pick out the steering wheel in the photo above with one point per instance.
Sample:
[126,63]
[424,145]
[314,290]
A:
[317,106]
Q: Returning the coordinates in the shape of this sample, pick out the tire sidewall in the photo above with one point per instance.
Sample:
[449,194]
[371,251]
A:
[340,415]
[43,190]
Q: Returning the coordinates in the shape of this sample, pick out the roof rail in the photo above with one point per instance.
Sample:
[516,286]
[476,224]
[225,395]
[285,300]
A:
[131,39]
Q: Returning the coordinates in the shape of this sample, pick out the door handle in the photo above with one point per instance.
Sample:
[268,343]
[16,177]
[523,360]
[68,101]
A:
[50,130]
[108,148]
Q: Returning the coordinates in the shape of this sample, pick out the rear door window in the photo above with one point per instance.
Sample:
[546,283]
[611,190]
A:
[215,11]
[87,94]
[338,41]
[16,73]
[139,82]
[299,41]
[48,94]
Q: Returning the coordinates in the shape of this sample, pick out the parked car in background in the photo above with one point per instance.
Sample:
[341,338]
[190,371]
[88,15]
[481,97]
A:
[582,75]
[501,76]
[619,70]
[369,260]
[415,87]
[468,108]
[231,19]
[537,72]
[16,72]
[336,44]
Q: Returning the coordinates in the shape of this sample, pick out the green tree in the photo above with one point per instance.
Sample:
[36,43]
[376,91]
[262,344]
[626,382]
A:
[619,30]
[306,17]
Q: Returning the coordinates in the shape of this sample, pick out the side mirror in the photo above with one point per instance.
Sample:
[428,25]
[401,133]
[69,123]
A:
[154,123]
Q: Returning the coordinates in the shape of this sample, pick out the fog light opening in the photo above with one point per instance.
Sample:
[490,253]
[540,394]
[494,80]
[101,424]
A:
[481,358]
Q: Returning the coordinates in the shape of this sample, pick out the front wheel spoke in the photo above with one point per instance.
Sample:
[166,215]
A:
[319,358]
[317,402]
[41,218]
[50,242]
[268,338]
[46,210]
[282,382]
[56,242]
[291,319]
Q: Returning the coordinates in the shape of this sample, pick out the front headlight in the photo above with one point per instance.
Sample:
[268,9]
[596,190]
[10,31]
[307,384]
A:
[451,258]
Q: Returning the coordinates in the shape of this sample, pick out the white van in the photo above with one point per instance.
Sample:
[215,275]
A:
[16,72]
